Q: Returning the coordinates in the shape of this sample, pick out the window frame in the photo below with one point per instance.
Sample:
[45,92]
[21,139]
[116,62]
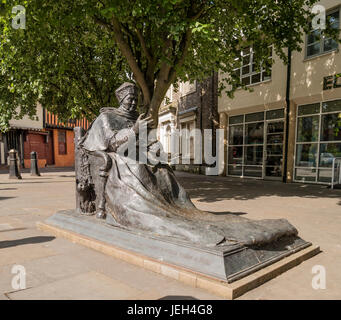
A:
[251,73]
[244,145]
[318,143]
[190,147]
[62,143]
[322,40]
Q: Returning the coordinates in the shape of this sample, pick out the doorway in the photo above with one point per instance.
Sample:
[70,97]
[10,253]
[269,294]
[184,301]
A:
[273,151]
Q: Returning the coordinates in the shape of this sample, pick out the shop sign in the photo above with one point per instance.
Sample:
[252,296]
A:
[331,82]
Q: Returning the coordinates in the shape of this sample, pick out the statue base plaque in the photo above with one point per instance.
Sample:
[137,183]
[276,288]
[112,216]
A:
[229,270]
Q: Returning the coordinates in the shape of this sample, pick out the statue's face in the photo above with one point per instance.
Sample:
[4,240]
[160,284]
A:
[130,102]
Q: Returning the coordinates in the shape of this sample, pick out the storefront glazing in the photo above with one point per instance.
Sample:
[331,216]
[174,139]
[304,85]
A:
[256,144]
[318,141]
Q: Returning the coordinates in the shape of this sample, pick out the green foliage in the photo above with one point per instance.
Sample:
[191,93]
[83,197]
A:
[62,60]
[73,54]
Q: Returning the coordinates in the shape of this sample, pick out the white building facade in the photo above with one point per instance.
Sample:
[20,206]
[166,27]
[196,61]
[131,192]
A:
[295,137]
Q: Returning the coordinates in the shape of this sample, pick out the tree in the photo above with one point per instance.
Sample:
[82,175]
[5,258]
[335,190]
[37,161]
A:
[162,41]
[68,65]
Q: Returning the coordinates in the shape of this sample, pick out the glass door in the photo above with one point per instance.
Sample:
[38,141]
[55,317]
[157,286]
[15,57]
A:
[273,151]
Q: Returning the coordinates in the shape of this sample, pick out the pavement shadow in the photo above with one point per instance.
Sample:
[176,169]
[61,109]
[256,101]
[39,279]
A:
[19,242]
[228,213]
[41,170]
[212,189]
[26,181]
[6,198]
[13,229]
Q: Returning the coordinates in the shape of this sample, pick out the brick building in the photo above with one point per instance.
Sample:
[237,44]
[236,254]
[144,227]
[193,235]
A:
[60,140]
[24,135]
[46,135]
[192,106]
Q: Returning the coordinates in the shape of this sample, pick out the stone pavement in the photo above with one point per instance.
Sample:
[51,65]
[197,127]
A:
[59,269]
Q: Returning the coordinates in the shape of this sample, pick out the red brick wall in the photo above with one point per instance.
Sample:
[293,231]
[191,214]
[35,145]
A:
[68,159]
[35,142]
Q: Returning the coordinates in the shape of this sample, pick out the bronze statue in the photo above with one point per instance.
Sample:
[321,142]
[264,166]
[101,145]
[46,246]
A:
[147,197]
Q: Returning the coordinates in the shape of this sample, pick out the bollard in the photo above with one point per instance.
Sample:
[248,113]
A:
[13,165]
[79,133]
[34,164]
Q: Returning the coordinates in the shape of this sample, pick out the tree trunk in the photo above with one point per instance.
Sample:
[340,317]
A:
[157,98]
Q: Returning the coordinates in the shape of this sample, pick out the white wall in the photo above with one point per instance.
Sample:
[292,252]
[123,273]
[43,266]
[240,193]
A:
[308,74]
[306,81]
[266,95]
[28,123]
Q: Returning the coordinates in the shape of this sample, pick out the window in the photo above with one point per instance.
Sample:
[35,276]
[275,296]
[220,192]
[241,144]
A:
[61,142]
[168,139]
[255,144]
[317,44]
[318,141]
[187,140]
[249,73]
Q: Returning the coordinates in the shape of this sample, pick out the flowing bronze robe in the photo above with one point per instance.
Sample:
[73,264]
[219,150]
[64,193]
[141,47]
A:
[149,198]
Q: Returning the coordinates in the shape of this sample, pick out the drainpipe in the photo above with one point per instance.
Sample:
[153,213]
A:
[202,166]
[213,114]
[287,100]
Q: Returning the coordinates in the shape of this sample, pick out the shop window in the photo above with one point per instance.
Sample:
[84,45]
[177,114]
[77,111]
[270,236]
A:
[236,135]
[254,133]
[275,114]
[253,171]
[308,129]
[61,142]
[256,145]
[329,151]
[331,106]
[309,109]
[318,44]
[318,141]
[251,73]
[275,127]
[236,119]
[253,155]
[331,127]
[235,170]
[305,174]
[306,155]
[235,155]
[251,117]
[324,175]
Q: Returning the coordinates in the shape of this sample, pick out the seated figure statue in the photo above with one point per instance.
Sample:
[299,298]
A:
[147,197]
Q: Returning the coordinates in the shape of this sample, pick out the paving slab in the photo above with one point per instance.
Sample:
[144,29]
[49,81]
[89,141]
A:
[90,285]
[20,254]
[315,210]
